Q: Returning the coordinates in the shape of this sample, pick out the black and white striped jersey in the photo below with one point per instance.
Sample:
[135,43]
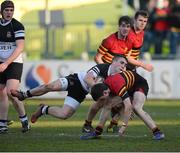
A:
[10,32]
[99,70]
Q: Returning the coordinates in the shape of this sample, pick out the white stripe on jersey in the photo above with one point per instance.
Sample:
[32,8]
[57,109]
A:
[81,76]
[19,33]
[95,69]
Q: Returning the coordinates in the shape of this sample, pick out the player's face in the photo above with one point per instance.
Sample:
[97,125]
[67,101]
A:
[124,29]
[120,64]
[141,22]
[8,13]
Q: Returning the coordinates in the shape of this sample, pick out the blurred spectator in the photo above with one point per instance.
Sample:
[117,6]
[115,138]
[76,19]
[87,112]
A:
[149,33]
[161,25]
[138,4]
[174,21]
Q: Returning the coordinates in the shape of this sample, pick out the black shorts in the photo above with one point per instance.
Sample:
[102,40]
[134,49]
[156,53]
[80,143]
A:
[139,85]
[13,71]
[75,89]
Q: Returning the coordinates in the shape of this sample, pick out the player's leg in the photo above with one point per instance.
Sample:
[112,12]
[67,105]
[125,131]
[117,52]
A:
[102,120]
[14,84]
[57,85]
[65,112]
[93,110]
[116,111]
[4,106]
[75,96]
[104,115]
[138,103]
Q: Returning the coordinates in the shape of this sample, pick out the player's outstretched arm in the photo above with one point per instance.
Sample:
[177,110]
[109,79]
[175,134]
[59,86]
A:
[139,63]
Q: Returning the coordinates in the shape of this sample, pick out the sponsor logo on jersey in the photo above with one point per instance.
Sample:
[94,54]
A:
[9,34]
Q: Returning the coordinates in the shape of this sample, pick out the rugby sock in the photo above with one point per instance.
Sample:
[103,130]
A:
[156,129]
[44,109]
[87,123]
[28,93]
[98,130]
[113,122]
[23,118]
[3,123]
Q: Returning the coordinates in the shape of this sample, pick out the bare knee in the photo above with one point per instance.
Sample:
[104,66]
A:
[10,96]
[137,109]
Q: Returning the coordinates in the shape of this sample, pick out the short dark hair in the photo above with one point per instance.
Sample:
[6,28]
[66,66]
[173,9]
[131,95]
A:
[125,19]
[118,56]
[144,13]
[5,4]
[97,90]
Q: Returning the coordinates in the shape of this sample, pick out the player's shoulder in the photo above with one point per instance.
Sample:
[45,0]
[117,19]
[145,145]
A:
[110,39]
[103,65]
[112,36]
[17,24]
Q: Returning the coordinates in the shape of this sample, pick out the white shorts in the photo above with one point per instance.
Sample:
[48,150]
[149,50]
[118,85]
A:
[71,102]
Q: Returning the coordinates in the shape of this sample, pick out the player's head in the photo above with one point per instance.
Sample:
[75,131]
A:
[7,10]
[125,24]
[119,63]
[141,19]
[99,91]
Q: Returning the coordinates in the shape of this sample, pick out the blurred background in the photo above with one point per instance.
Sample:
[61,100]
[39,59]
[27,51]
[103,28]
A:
[74,29]
[62,37]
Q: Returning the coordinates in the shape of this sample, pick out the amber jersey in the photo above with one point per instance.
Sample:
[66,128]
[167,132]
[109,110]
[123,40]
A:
[136,40]
[112,46]
[124,84]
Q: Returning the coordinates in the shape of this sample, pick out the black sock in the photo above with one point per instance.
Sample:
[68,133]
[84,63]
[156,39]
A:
[98,130]
[28,93]
[88,123]
[3,123]
[155,130]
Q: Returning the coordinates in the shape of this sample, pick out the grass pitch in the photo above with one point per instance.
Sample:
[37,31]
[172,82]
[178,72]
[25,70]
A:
[54,135]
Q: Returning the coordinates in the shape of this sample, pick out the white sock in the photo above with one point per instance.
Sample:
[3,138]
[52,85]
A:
[43,111]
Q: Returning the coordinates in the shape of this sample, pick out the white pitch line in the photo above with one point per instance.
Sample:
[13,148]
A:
[103,135]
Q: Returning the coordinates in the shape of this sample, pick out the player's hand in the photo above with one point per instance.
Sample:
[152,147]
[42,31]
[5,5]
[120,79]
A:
[148,67]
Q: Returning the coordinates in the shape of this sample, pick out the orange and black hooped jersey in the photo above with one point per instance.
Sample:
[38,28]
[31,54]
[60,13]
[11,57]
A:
[137,41]
[121,83]
[112,46]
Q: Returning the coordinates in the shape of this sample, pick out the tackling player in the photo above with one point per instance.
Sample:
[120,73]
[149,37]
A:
[77,85]
[119,84]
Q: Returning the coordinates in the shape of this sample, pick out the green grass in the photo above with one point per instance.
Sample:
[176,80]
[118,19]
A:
[51,134]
